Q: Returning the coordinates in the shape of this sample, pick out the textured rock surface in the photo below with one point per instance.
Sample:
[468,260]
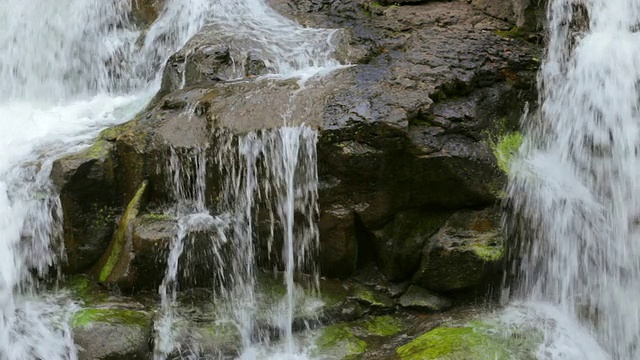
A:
[422,299]
[467,252]
[405,133]
[112,334]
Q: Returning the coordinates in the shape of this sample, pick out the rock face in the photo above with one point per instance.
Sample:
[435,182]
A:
[404,151]
[465,252]
[112,334]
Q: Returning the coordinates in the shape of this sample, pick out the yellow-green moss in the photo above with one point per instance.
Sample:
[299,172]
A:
[86,317]
[513,33]
[448,343]
[505,148]
[486,252]
[119,238]
[475,340]
[385,325]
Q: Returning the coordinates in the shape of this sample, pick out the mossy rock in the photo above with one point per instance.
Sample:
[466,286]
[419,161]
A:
[505,149]
[351,340]
[111,333]
[113,316]
[473,341]
[339,341]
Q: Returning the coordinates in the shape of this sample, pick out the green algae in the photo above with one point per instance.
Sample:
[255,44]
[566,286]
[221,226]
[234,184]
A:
[85,317]
[120,235]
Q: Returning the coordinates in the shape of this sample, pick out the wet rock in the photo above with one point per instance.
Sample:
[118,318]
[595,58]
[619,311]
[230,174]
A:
[89,215]
[405,129]
[114,265]
[399,245]
[352,339]
[145,12]
[473,340]
[204,340]
[371,298]
[466,253]
[254,66]
[338,241]
[112,334]
[422,299]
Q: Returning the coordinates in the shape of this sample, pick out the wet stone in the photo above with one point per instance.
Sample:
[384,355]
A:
[422,299]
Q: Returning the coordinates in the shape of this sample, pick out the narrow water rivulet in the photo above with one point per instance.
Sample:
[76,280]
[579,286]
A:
[573,192]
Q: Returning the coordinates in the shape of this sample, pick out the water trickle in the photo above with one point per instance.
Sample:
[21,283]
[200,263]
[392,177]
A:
[574,190]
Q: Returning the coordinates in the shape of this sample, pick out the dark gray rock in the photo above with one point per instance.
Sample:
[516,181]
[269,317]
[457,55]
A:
[399,245]
[466,253]
[422,299]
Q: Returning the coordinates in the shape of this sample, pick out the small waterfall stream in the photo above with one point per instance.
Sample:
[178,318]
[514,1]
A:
[60,86]
[575,189]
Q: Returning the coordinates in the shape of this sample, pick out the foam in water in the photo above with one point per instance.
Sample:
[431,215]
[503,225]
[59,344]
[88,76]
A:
[574,190]
[61,67]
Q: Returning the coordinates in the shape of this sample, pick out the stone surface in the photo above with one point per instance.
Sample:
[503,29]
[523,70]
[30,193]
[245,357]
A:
[473,340]
[466,253]
[399,244]
[89,215]
[112,334]
[406,128]
[422,299]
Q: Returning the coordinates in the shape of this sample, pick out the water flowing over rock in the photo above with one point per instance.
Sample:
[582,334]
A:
[572,195]
[266,143]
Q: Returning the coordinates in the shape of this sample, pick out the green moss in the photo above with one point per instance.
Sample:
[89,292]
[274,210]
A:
[367,296]
[99,149]
[382,326]
[513,33]
[446,342]
[506,147]
[340,338]
[475,340]
[119,238]
[86,317]
[487,253]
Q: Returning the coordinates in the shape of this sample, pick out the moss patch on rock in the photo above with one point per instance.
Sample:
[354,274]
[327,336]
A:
[340,340]
[505,148]
[119,238]
[475,340]
[86,317]
[385,325]
[487,253]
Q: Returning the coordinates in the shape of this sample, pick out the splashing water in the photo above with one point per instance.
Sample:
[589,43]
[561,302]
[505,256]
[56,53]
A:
[68,69]
[574,190]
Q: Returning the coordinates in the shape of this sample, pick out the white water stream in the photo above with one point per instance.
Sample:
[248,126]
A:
[575,191]
[68,69]
[59,85]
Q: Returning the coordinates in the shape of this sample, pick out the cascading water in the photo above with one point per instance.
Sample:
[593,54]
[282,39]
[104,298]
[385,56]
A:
[574,191]
[68,68]
[272,169]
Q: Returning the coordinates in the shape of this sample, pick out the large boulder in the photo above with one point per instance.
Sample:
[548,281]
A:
[407,129]
[89,215]
[466,253]
[112,333]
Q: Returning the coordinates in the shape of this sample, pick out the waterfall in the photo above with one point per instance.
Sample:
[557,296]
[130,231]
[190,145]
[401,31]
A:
[68,69]
[574,191]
